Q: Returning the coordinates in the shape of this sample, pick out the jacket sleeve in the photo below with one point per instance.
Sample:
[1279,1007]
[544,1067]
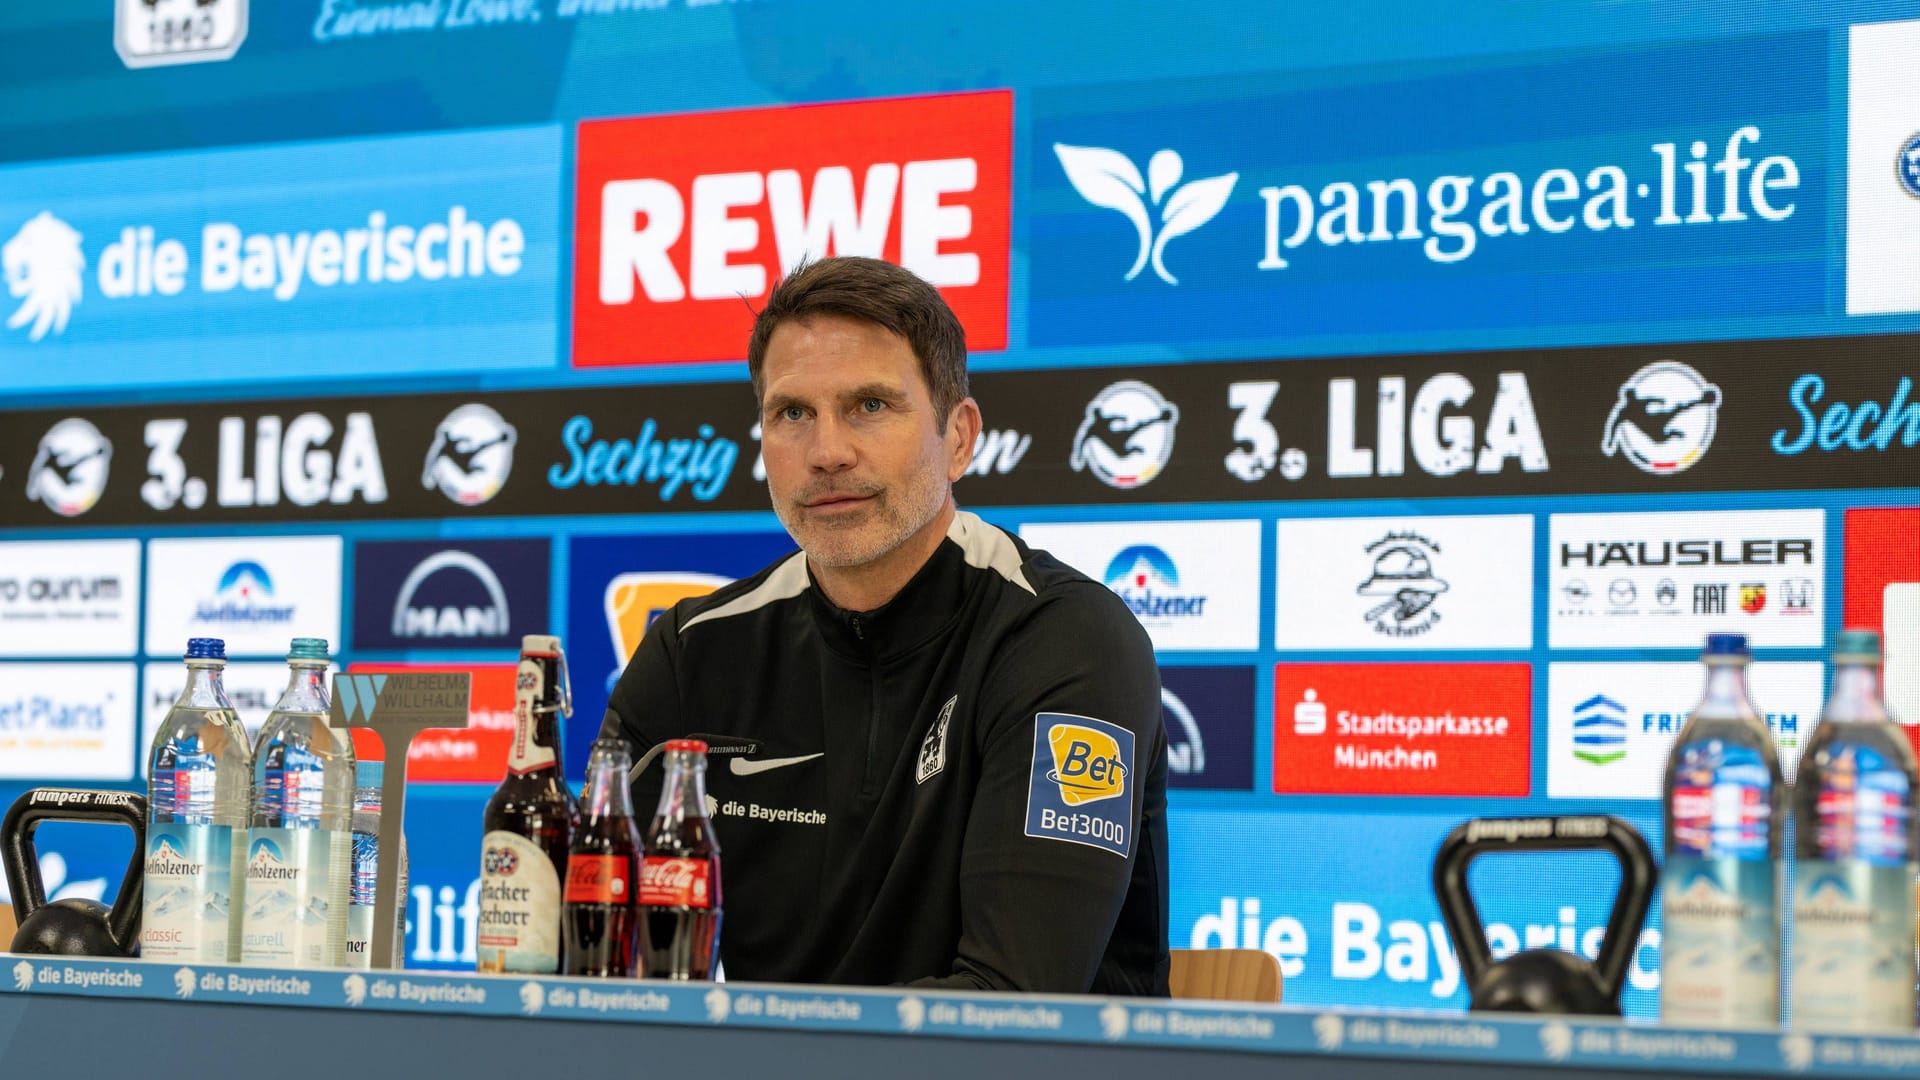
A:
[1056,830]
[644,708]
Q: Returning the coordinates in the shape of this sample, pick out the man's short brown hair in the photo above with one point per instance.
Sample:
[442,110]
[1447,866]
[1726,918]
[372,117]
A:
[877,292]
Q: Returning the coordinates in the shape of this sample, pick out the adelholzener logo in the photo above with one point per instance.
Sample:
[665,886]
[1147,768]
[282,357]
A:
[1147,579]
[1159,206]
[1403,576]
[244,596]
[1600,730]
[490,618]
[69,472]
[471,456]
[1126,437]
[1664,419]
[149,33]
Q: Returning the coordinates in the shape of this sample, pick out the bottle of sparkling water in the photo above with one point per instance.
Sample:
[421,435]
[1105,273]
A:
[1855,845]
[1720,893]
[199,779]
[366,861]
[299,847]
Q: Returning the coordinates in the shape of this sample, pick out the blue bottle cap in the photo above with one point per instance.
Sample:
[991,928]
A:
[206,648]
[371,774]
[1856,647]
[308,648]
[1727,645]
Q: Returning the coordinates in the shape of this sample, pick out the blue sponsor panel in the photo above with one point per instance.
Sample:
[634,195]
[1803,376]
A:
[449,595]
[1208,715]
[619,585]
[1345,902]
[392,256]
[1655,186]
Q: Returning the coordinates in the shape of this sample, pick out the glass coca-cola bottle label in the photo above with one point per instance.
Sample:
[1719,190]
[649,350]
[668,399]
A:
[671,882]
[529,688]
[597,879]
[519,906]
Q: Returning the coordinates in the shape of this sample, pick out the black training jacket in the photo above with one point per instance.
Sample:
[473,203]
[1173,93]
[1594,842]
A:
[963,789]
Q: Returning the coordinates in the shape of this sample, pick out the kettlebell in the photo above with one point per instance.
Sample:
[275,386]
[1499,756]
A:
[73,927]
[1544,980]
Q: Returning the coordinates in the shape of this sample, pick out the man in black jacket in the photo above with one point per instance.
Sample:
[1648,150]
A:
[960,773]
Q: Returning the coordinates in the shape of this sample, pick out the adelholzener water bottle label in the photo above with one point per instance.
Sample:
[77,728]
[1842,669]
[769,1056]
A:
[519,906]
[1721,953]
[289,898]
[530,685]
[1853,907]
[366,863]
[188,893]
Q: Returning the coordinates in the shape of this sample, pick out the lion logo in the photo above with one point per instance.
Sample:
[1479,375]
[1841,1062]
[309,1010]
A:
[43,264]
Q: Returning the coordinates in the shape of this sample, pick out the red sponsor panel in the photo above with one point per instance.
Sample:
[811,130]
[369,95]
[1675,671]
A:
[1882,566]
[1402,729]
[684,223]
[478,754]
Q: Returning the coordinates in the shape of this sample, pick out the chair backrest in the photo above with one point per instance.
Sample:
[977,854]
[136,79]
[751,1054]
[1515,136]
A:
[6,926]
[1225,975]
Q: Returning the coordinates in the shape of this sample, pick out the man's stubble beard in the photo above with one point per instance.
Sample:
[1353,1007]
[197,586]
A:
[892,518]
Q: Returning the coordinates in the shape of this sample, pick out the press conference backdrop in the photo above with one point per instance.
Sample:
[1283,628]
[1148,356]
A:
[1429,379]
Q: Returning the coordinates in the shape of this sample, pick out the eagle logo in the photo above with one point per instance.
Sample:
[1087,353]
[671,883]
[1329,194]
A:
[43,264]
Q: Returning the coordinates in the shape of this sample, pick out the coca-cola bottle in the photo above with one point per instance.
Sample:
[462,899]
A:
[603,870]
[529,823]
[680,881]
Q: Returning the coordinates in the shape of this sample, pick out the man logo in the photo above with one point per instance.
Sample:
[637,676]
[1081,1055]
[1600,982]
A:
[43,264]
[471,455]
[634,600]
[69,472]
[1599,730]
[1108,179]
[1186,751]
[1126,437]
[415,621]
[1086,764]
[1664,419]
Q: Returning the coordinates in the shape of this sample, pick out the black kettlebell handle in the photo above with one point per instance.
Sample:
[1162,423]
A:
[1482,836]
[74,804]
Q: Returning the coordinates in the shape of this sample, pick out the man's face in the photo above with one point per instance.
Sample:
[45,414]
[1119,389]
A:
[856,461]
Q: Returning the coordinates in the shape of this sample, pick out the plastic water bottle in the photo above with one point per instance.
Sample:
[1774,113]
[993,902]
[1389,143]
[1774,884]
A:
[199,780]
[299,846]
[369,775]
[1720,894]
[1855,844]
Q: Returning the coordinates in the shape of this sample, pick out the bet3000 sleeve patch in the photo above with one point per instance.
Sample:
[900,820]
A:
[1081,789]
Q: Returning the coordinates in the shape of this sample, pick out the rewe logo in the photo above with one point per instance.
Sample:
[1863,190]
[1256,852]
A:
[1107,178]
[681,218]
[43,264]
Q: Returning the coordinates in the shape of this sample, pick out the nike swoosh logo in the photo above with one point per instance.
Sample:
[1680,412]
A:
[744,767]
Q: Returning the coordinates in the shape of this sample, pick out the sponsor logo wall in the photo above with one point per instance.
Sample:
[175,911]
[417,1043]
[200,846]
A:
[70,598]
[440,595]
[1185,581]
[1408,729]
[1610,727]
[680,218]
[66,721]
[1669,579]
[257,593]
[318,258]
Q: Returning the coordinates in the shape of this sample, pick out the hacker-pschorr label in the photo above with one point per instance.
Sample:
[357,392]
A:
[149,33]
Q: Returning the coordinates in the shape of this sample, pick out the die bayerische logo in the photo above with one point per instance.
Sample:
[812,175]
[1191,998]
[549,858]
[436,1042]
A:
[1126,437]
[44,264]
[1106,178]
[1664,419]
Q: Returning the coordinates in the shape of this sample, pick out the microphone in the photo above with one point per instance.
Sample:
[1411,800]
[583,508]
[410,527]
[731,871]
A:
[717,746]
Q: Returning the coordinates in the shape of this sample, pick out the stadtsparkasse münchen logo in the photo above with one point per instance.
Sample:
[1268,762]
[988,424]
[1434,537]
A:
[684,223]
[1664,418]
[1126,437]
[69,472]
[471,455]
